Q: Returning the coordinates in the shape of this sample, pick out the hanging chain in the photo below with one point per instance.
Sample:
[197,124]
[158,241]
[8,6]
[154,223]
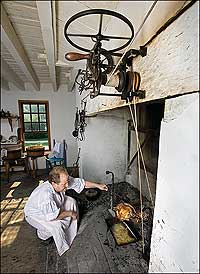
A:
[80,123]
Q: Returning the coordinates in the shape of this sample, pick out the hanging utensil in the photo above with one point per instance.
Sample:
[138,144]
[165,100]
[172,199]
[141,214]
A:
[112,212]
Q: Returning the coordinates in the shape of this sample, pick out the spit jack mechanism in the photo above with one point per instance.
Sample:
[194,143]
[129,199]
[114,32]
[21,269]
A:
[99,60]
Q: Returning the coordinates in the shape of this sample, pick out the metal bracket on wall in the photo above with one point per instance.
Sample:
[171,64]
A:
[129,81]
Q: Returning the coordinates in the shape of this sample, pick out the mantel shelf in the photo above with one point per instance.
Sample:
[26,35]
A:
[11,117]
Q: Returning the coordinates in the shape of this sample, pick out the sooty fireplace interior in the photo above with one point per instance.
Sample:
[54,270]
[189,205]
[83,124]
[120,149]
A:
[123,235]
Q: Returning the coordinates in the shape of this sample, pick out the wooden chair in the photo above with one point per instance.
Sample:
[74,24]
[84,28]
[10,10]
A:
[53,161]
[10,164]
[57,161]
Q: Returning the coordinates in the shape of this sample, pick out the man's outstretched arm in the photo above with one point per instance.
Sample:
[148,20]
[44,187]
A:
[89,184]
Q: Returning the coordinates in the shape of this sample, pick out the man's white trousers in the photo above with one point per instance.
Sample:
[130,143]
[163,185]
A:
[63,231]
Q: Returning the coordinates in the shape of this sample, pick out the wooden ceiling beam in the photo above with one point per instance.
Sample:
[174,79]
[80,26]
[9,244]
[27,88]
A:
[45,12]
[10,76]
[4,84]
[54,26]
[14,46]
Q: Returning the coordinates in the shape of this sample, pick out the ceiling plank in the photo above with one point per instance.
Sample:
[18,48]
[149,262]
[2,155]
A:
[9,75]
[25,21]
[18,5]
[4,84]
[27,3]
[45,13]
[13,44]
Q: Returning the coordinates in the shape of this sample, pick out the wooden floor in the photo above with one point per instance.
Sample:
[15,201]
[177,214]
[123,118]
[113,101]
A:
[88,253]
[93,250]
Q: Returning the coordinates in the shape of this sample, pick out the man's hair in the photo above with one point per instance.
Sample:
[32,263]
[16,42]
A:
[54,174]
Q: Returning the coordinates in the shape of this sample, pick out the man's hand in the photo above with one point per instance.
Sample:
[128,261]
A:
[89,184]
[73,215]
[69,213]
[103,187]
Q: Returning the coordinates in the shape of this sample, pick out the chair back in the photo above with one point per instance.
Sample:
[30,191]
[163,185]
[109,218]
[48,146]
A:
[59,150]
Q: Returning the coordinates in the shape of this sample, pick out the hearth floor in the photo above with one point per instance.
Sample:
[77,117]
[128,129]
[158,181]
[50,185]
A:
[93,250]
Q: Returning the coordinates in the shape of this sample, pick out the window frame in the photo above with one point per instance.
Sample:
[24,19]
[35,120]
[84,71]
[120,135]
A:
[21,114]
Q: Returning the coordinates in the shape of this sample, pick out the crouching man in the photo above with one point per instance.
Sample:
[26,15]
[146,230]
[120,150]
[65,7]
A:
[53,213]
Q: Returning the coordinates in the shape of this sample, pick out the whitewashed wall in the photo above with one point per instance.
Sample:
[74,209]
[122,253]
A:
[61,110]
[175,236]
[105,146]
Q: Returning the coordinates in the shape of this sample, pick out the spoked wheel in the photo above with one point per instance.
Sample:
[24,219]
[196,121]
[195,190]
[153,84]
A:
[105,62]
[98,37]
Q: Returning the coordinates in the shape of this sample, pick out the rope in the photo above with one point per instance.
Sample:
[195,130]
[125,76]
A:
[139,174]
[142,157]
[147,179]
[145,18]
[136,131]
[139,177]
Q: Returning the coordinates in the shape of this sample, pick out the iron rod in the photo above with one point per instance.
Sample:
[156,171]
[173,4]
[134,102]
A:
[109,94]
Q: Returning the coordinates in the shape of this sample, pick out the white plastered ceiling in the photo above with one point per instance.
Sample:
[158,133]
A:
[33,45]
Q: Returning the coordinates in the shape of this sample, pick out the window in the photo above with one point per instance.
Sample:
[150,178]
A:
[35,123]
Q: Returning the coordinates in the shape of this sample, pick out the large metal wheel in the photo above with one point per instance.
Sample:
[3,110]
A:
[98,37]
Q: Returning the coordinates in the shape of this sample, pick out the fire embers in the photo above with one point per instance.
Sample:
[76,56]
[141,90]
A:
[138,216]
[124,211]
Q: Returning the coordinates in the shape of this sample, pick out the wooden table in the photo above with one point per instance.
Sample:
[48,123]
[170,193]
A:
[34,165]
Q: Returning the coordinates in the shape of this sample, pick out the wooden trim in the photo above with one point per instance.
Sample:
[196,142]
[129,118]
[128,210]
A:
[21,102]
[33,101]
[48,125]
[21,122]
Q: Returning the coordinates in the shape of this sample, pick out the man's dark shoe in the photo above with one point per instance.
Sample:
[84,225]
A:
[47,242]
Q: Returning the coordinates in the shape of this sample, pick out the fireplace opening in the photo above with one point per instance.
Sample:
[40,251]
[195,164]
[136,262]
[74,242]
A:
[142,173]
[131,246]
[149,117]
